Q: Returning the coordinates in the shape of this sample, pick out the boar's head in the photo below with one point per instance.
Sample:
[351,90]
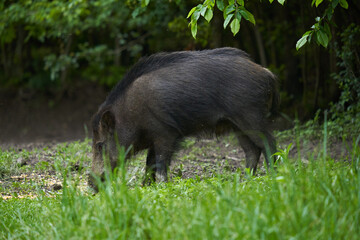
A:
[104,145]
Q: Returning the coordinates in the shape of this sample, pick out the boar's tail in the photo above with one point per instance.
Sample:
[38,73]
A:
[275,97]
[274,110]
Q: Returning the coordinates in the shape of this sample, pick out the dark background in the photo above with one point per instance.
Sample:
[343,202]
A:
[58,59]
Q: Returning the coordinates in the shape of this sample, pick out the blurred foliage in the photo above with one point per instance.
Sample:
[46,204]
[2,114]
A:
[234,11]
[342,119]
[75,36]
[348,77]
[54,44]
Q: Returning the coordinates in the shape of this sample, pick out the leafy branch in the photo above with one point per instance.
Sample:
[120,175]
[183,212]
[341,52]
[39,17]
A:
[320,31]
[234,11]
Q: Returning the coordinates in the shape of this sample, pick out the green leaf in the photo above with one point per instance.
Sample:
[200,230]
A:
[9,35]
[301,42]
[229,9]
[247,15]
[191,12]
[208,15]
[329,13]
[144,3]
[281,2]
[194,29]
[227,20]
[344,4]
[195,16]
[322,38]
[318,2]
[238,15]
[327,30]
[203,10]
[220,5]
[240,2]
[334,3]
[235,26]
[307,33]
[136,12]
[210,3]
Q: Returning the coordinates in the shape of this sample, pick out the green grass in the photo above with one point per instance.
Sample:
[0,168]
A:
[314,199]
[43,166]
[320,200]
[59,156]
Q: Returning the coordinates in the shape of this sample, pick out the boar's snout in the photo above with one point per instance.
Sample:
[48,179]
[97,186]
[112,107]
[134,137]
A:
[93,181]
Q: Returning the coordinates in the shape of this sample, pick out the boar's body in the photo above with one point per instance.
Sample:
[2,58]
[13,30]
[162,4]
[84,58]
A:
[169,96]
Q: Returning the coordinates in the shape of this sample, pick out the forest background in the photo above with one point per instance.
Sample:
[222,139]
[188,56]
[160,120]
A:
[59,48]
[59,58]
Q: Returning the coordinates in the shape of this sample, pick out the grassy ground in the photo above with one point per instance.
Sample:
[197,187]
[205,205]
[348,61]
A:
[313,194]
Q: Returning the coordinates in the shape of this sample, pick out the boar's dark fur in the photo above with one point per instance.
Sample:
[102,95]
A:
[168,96]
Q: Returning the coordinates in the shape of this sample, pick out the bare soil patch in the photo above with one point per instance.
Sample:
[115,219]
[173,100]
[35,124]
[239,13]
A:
[41,173]
[30,119]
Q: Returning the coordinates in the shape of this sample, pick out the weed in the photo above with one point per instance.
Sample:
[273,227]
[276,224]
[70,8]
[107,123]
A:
[314,199]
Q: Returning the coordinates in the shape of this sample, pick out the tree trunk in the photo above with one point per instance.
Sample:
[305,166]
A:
[64,71]
[303,58]
[317,77]
[260,46]
[4,60]
[217,29]
[117,51]
[18,52]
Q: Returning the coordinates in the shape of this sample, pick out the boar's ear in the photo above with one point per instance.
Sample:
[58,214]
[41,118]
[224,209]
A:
[108,121]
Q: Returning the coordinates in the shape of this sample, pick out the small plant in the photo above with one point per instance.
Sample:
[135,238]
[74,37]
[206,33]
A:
[283,154]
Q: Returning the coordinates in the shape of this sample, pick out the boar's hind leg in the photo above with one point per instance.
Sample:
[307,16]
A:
[150,168]
[260,136]
[252,152]
[265,140]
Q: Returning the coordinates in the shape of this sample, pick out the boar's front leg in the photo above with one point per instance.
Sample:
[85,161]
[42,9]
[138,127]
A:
[164,149]
[158,161]
[162,164]
[150,168]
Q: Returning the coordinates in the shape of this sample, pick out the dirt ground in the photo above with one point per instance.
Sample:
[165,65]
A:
[198,158]
[29,119]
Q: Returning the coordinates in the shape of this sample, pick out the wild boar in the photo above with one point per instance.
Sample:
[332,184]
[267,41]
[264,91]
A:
[169,96]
